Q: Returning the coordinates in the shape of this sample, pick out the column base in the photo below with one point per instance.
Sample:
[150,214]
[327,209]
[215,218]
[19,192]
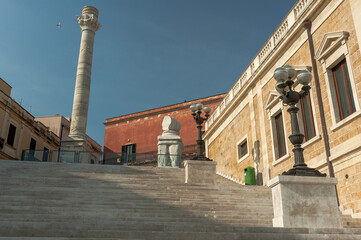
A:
[73,150]
[74,144]
[305,202]
[200,172]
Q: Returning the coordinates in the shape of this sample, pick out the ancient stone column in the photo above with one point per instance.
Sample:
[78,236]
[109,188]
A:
[89,24]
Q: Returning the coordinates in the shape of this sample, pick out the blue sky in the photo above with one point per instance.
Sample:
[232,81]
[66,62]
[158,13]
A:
[148,53]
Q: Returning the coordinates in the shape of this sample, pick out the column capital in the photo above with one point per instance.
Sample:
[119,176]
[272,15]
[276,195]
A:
[89,19]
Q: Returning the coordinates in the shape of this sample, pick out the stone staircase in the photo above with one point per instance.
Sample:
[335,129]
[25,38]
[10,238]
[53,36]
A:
[74,201]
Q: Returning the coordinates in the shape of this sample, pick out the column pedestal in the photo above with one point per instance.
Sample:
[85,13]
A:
[73,151]
[73,144]
[305,202]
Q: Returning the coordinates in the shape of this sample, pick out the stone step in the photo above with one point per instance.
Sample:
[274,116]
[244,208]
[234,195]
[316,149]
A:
[77,201]
[142,207]
[102,217]
[230,215]
[126,197]
[115,178]
[72,228]
[239,233]
[155,186]
[104,206]
[61,238]
[136,185]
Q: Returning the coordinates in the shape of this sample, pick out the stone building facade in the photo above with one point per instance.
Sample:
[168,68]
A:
[250,127]
[19,129]
[138,132]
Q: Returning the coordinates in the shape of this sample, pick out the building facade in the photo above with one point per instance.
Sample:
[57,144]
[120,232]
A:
[250,127]
[138,132]
[20,131]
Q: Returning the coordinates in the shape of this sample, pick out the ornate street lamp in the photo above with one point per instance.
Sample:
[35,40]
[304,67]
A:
[284,77]
[196,112]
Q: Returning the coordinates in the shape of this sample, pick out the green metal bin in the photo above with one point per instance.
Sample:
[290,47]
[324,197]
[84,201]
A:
[250,176]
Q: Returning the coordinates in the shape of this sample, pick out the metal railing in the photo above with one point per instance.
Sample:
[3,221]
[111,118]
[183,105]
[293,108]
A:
[145,159]
[62,156]
[111,158]
[189,149]
[168,160]
[116,158]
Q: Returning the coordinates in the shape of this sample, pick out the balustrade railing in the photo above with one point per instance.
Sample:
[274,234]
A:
[265,53]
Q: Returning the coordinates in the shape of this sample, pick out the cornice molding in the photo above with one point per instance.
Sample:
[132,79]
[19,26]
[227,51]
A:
[175,107]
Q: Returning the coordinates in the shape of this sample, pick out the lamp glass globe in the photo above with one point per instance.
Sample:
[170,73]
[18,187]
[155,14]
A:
[280,74]
[207,109]
[304,77]
[193,107]
[199,106]
[290,70]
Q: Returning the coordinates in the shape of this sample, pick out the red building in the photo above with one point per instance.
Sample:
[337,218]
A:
[138,132]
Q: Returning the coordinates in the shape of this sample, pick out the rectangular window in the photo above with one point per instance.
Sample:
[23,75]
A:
[307,118]
[344,96]
[11,135]
[242,149]
[45,154]
[32,144]
[32,147]
[280,135]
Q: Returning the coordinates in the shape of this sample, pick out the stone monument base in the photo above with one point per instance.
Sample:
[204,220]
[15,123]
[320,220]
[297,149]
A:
[73,150]
[169,151]
[200,172]
[305,202]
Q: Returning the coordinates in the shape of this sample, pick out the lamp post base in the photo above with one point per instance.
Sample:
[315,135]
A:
[305,202]
[304,171]
[200,172]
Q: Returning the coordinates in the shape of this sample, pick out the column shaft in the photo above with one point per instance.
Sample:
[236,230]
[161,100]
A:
[82,85]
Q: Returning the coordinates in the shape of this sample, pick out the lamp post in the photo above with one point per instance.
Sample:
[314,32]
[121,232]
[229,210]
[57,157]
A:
[196,112]
[284,77]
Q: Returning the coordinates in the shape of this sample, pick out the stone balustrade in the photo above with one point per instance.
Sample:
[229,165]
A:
[300,7]
[265,53]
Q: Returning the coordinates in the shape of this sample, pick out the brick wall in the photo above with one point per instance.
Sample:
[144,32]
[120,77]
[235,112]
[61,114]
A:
[143,128]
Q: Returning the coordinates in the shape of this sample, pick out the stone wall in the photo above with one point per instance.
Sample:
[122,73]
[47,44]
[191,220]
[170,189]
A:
[230,124]
[349,184]
[226,158]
